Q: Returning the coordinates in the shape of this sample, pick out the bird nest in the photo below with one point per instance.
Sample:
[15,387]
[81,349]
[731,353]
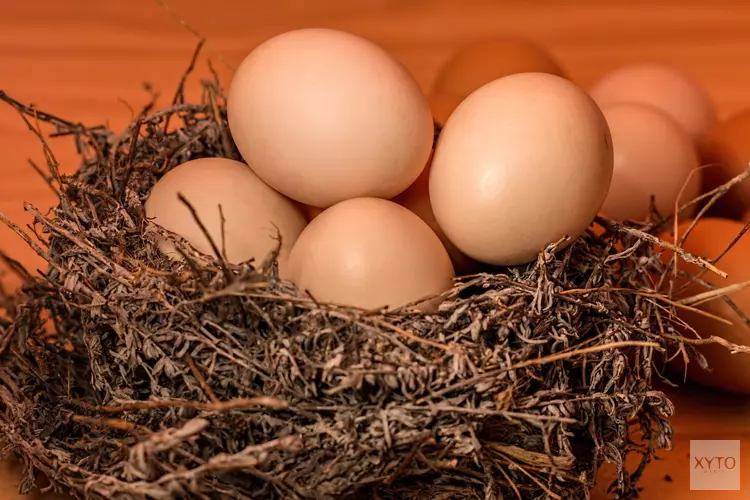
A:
[128,375]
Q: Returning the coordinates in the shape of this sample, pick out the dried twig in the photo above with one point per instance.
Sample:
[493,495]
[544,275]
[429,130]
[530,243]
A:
[713,294]
[195,32]
[686,256]
[237,404]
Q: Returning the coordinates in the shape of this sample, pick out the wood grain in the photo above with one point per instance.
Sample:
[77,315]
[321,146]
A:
[87,59]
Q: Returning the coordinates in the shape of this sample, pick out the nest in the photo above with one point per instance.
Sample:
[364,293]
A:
[126,375]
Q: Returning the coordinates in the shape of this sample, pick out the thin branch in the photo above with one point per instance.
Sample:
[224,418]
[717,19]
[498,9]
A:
[224,406]
[686,256]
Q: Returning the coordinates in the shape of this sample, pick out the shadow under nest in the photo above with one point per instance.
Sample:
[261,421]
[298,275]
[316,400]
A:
[125,375]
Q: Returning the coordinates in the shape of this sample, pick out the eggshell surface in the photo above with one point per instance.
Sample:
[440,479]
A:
[728,148]
[663,87]
[479,63]
[521,163]
[370,253]
[11,479]
[653,156]
[442,105]
[323,116]
[252,210]
[311,212]
[709,238]
[417,199]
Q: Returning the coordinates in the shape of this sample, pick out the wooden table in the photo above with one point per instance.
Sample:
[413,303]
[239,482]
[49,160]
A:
[87,59]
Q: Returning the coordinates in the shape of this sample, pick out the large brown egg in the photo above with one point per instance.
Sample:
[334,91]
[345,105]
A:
[323,116]
[370,253]
[709,238]
[663,87]
[479,63]
[253,212]
[521,163]
[727,151]
[653,156]
[11,477]
[311,212]
[417,199]
[442,105]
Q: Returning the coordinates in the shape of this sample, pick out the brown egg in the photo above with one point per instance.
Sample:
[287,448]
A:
[442,105]
[323,116]
[479,63]
[370,253]
[417,199]
[709,238]
[10,481]
[521,163]
[662,87]
[252,211]
[311,212]
[653,156]
[728,146]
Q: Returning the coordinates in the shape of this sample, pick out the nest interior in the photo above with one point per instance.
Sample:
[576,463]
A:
[126,375]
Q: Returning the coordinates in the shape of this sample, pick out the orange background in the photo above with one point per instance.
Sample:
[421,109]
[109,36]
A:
[86,60]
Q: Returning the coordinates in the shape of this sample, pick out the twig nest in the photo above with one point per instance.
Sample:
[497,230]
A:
[127,375]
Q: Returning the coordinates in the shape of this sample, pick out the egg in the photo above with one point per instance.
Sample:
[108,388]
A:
[254,214]
[311,212]
[442,105]
[417,199]
[727,149]
[479,63]
[653,156]
[709,238]
[12,478]
[663,87]
[323,116]
[370,253]
[521,163]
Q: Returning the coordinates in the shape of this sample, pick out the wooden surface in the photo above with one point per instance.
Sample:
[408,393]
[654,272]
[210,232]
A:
[86,60]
